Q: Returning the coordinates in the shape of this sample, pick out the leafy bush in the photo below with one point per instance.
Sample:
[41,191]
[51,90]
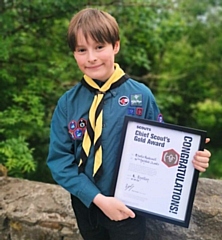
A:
[17,157]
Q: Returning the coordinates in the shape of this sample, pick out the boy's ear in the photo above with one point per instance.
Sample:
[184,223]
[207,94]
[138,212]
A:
[116,47]
[74,55]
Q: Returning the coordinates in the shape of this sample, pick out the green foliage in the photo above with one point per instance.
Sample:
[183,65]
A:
[208,113]
[17,157]
[33,62]
[174,47]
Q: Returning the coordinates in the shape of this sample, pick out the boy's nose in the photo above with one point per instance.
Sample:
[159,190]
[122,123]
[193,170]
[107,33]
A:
[91,56]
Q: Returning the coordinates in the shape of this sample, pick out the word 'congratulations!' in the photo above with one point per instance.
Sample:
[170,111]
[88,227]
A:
[180,176]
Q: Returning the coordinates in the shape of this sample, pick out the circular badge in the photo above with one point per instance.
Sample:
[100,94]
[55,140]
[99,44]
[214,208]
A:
[78,133]
[72,125]
[82,123]
[123,101]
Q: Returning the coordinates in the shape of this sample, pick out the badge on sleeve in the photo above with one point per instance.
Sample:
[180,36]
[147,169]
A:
[160,118]
[78,133]
[82,123]
[77,128]
[72,125]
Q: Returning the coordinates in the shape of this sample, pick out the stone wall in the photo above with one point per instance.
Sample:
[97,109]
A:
[38,211]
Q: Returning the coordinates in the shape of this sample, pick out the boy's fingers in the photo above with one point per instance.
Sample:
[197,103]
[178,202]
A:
[207,140]
[207,153]
[129,212]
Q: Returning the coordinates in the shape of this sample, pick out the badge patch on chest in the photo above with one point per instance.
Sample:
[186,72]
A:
[131,111]
[136,100]
[123,101]
[139,111]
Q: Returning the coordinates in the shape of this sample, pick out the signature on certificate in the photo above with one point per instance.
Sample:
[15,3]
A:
[129,187]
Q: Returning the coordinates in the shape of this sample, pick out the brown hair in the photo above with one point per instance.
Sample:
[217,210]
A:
[97,24]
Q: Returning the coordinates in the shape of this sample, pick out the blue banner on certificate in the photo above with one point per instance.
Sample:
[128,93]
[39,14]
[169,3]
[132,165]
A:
[155,175]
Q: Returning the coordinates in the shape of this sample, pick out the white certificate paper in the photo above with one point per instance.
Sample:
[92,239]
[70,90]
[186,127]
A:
[155,174]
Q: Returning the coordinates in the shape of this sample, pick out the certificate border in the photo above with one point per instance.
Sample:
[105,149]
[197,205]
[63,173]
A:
[201,133]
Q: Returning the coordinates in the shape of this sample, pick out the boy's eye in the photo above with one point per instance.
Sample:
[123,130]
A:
[81,50]
[100,46]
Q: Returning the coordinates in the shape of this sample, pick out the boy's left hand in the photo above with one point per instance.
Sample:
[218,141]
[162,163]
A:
[201,159]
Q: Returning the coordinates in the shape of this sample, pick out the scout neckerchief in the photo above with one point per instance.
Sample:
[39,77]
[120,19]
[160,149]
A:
[94,126]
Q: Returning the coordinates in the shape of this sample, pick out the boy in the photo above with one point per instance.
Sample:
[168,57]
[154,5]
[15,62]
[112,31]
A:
[86,127]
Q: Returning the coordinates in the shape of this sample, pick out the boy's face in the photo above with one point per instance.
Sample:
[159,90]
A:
[94,59]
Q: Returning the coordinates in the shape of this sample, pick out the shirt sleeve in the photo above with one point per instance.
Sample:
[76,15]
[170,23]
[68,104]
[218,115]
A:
[152,107]
[61,159]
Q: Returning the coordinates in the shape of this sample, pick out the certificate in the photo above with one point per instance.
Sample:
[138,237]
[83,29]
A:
[155,175]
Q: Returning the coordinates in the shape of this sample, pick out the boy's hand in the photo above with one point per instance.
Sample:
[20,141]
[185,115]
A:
[113,208]
[201,159]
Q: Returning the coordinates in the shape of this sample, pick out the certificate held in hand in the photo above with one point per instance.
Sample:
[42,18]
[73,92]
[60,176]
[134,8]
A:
[155,175]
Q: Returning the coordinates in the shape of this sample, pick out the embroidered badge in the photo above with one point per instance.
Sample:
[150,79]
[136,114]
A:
[82,123]
[78,133]
[123,101]
[72,125]
[160,118]
[77,129]
[139,111]
[131,111]
[136,100]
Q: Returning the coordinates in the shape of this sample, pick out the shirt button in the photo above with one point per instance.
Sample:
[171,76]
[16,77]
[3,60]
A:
[104,125]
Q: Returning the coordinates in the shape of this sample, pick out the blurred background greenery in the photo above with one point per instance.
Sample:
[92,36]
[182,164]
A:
[173,46]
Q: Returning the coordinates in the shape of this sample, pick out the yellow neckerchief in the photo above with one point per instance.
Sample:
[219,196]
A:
[94,125]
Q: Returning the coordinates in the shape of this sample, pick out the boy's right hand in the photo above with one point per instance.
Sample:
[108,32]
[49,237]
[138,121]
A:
[113,208]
